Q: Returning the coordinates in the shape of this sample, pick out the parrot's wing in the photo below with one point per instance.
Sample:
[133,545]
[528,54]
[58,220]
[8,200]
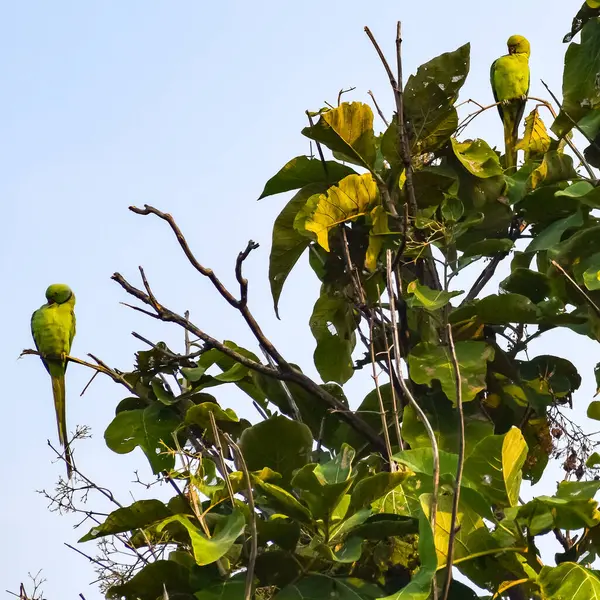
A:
[494,90]
[36,318]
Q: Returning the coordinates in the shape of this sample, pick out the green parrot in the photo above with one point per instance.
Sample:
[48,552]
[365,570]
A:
[53,330]
[510,77]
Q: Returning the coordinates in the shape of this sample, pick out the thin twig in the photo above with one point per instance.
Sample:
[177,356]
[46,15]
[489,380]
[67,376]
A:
[420,413]
[382,411]
[219,448]
[342,92]
[461,461]
[252,513]
[378,109]
[592,304]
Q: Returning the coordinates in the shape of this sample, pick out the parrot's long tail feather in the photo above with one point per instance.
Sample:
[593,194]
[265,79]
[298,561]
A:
[60,406]
[510,141]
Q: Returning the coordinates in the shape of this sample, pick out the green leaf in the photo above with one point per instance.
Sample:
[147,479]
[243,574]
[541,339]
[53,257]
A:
[578,247]
[421,460]
[429,96]
[151,429]
[280,530]
[150,582]
[552,235]
[278,443]
[452,209]
[425,297]
[321,497]
[477,158]
[226,590]
[282,501]
[489,247]
[580,92]
[208,550]
[315,587]
[569,580]
[333,354]
[466,522]
[199,414]
[498,309]
[372,488]
[354,196]
[432,184]
[445,422]
[593,411]
[428,361]
[302,171]
[288,245]
[528,283]
[139,514]
[337,470]
[555,167]
[494,467]
[347,129]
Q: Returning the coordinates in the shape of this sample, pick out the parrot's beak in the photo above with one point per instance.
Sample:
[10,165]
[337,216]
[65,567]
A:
[512,49]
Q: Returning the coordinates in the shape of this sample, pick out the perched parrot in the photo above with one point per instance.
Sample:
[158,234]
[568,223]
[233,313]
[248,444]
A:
[53,330]
[509,77]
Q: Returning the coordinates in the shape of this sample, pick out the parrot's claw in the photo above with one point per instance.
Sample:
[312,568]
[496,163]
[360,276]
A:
[524,97]
[505,102]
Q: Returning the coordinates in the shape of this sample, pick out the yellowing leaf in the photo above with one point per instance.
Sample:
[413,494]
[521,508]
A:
[536,141]
[354,196]
[347,129]
[379,227]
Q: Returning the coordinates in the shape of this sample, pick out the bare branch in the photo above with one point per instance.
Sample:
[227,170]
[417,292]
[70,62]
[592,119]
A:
[289,374]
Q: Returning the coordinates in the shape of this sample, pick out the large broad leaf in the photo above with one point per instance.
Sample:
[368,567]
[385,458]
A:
[353,197]
[433,184]
[425,297]
[489,247]
[333,323]
[556,166]
[552,235]
[569,581]
[151,429]
[150,582]
[288,244]
[278,443]
[316,587]
[532,284]
[579,246]
[302,171]
[139,514]
[420,460]
[208,550]
[282,501]
[445,422]
[227,590]
[494,467]
[428,361]
[536,141]
[429,96]
[199,414]
[347,129]
[498,310]
[477,158]
[372,488]
[581,93]
[467,521]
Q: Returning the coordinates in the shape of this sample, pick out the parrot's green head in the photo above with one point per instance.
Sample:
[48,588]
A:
[58,293]
[517,44]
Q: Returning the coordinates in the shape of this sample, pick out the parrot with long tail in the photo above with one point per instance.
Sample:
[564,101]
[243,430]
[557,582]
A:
[53,330]
[510,78]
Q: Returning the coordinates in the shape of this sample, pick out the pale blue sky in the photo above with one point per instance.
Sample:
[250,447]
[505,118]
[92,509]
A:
[188,106]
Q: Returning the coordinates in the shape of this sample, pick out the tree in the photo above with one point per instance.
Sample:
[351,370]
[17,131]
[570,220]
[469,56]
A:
[320,498]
